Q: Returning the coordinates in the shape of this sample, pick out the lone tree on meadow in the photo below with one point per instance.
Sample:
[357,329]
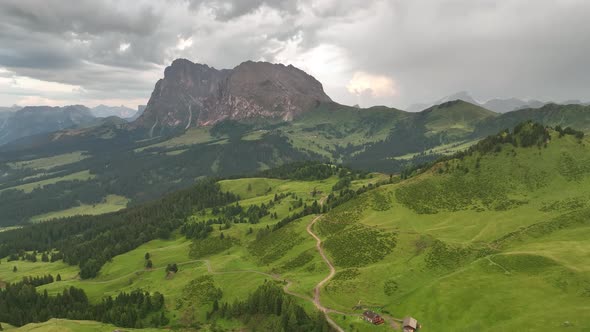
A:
[172,268]
[149,264]
[14,269]
[147,256]
[58,278]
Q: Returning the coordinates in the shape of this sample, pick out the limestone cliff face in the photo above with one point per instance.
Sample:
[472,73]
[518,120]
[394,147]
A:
[195,95]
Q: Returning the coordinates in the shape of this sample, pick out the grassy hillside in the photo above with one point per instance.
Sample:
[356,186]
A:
[237,269]
[576,116]
[491,242]
[422,137]
[495,239]
[61,325]
[111,203]
[48,174]
[457,116]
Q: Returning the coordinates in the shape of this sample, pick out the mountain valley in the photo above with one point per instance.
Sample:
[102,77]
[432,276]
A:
[482,227]
[251,185]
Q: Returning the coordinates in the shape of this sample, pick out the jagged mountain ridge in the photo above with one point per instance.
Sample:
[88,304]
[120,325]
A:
[193,94]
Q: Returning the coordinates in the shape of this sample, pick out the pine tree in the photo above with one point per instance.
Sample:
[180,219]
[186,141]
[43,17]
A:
[147,256]
[58,278]
[149,264]
[14,269]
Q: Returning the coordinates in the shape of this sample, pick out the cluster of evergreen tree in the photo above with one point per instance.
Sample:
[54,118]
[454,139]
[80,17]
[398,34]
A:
[21,304]
[304,171]
[280,312]
[525,134]
[314,208]
[38,281]
[331,202]
[197,230]
[232,214]
[569,131]
[531,133]
[90,241]
[32,257]
[17,206]
[237,214]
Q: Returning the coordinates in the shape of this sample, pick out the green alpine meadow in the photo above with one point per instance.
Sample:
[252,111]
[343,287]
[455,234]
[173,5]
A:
[501,226]
[294,166]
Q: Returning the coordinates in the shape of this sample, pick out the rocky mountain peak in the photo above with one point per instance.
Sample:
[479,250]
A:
[193,94]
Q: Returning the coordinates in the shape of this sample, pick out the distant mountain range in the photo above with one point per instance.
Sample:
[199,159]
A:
[497,105]
[201,121]
[9,109]
[33,120]
[19,122]
[104,111]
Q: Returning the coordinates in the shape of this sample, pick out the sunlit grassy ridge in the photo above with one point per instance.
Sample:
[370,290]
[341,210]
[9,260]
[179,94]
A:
[62,325]
[78,176]
[111,203]
[463,262]
[50,162]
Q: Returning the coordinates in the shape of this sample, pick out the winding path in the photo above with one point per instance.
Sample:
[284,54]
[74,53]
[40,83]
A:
[317,288]
[316,291]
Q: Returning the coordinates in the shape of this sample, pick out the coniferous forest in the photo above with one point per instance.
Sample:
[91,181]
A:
[90,241]
[21,304]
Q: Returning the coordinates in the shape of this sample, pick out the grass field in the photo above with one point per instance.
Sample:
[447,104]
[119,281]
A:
[237,270]
[111,203]
[28,187]
[190,137]
[50,162]
[501,246]
[62,325]
[445,149]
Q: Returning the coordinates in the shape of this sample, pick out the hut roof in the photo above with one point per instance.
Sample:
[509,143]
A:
[410,322]
[370,314]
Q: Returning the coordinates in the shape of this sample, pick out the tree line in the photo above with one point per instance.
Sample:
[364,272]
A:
[90,241]
[525,134]
[278,311]
[21,304]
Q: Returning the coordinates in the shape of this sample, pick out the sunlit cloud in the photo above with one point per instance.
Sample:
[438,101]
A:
[13,81]
[123,47]
[184,43]
[363,83]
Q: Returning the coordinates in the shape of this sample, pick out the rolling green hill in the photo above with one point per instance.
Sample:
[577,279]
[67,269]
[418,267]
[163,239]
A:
[491,239]
[575,116]
[42,176]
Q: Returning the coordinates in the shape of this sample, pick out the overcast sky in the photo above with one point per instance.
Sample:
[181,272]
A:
[387,52]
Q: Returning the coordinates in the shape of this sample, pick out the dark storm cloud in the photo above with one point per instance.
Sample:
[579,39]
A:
[80,16]
[420,49]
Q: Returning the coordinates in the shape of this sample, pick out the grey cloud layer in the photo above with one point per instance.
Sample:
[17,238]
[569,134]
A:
[430,48]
